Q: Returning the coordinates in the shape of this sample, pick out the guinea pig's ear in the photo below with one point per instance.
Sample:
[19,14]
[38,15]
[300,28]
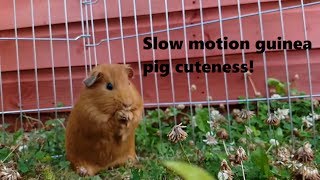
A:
[129,71]
[93,78]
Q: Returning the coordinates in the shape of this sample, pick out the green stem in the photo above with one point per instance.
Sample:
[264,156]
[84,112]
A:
[225,147]
[11,152]
[274,136]
[184,152]
[269,149]
[244,177]
[61,123]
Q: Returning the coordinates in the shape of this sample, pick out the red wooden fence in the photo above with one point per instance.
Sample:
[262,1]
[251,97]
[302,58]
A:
[293,24]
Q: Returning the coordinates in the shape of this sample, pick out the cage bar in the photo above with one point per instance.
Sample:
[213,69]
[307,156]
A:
[52,61]
[155,74]
[287,73]
[17,61]
[224,74]
[68,50]
[170,61]
[35,60]
[93,35]
[84,41]
[107,29]
[187,62]
[121,31]
[309,70]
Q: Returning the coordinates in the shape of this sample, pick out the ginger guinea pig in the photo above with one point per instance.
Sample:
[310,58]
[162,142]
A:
[100,131]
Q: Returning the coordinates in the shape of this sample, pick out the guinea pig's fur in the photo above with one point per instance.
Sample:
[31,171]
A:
[100,131]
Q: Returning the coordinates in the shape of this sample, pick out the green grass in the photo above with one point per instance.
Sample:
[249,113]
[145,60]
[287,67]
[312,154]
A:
[44,157]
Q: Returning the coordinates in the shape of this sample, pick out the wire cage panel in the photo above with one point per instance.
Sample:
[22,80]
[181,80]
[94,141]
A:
[53,44]
[40,10]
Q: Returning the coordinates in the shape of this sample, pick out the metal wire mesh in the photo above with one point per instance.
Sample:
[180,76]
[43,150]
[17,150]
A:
[90,43]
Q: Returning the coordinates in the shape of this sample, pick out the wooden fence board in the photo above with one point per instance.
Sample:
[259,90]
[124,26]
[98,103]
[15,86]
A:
[40,8]
[251,30]
[275,62]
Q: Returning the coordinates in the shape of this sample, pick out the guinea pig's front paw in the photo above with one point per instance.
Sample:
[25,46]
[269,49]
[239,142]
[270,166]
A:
[124,116]
[86,171]
[133,161]
[82,171]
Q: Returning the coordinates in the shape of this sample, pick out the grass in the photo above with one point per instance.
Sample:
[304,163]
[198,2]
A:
[40,154]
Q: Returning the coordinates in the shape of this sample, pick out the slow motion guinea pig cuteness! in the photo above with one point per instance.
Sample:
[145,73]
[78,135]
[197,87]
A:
[100,131]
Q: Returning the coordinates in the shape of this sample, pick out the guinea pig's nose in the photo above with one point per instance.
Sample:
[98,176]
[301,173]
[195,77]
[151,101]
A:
[123,118]
[126,105]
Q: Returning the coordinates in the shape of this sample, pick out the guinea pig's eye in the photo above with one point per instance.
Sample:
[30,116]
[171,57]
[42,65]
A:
[109,86]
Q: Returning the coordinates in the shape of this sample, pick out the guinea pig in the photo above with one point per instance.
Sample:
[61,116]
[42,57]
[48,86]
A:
[100,131]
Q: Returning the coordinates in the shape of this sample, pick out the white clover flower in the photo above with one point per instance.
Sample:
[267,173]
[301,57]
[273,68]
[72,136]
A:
[177,133]
[307,121]
[181,106]
[245,114]
[9,172]
[308,172]
[283,155]
[273,119]
[248,130]
[215,114]
[211,140]
[223,175]
[275,96]
[304,154]
[23,147]
[215,118]
[241,155]
[314,116]
[294,165]
[225,172]
[308,118]
[282,113]
[274,142]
